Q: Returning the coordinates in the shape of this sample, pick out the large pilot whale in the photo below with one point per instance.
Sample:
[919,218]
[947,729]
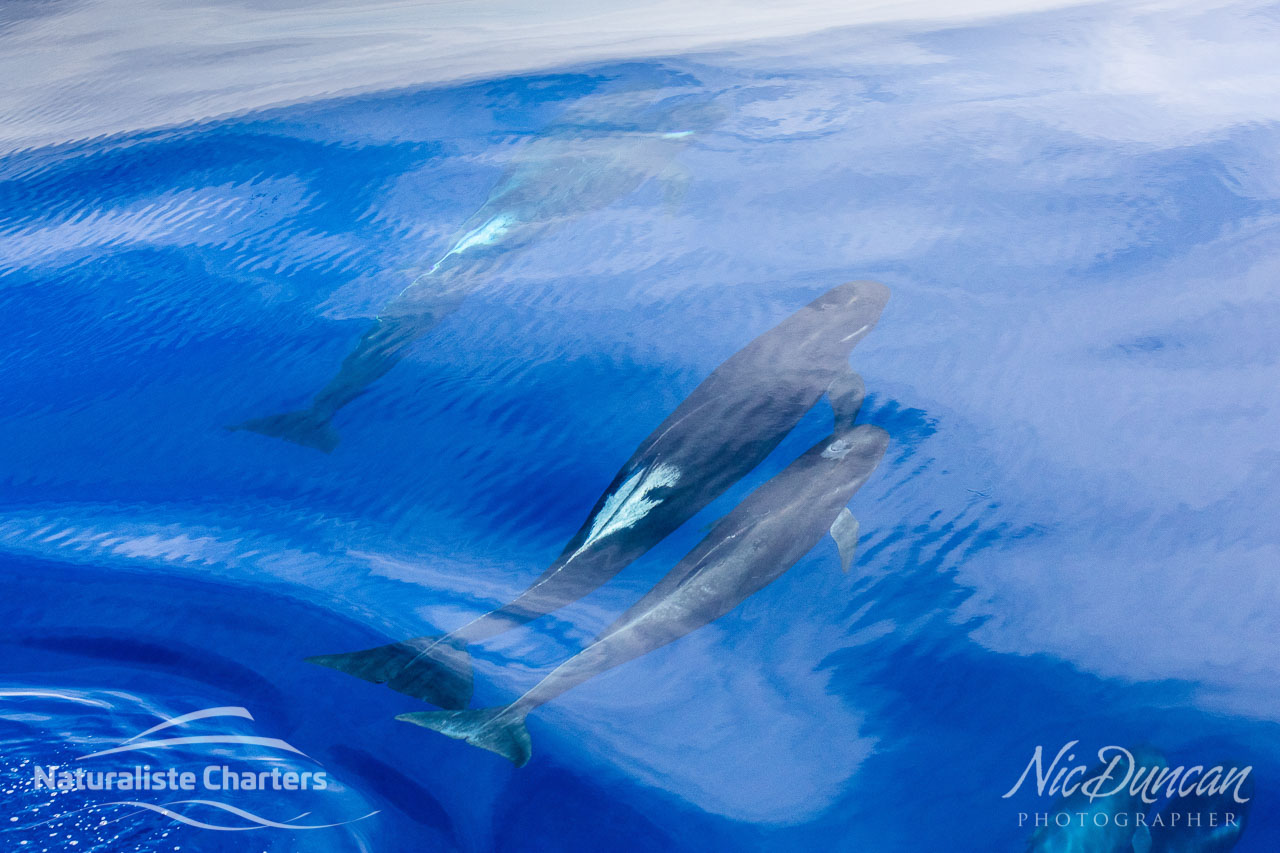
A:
[583,164]
[718,434]
[749,548]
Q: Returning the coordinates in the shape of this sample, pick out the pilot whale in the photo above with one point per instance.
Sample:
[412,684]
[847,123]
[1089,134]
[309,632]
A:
[1122,821]
[719,433]
[1102,825]
[1199,823]
[575,168]
[749,548]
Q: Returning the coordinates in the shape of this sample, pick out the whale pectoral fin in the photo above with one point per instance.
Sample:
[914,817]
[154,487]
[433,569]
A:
[845,532]
[845,394]
[1142,840]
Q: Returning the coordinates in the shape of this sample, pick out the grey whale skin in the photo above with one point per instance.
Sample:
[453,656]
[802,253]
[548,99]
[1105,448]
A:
[575,168]
[752,546]
[719,433]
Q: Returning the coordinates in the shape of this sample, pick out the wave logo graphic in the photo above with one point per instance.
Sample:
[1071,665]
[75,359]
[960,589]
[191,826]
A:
[261,822]
[134,743]
[214,813]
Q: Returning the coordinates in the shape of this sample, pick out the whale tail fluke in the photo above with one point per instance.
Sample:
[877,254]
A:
[378,665]
[499,730]
[302,427]
[432,669]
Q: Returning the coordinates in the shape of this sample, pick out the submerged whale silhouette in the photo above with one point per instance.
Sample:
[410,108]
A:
[721,431]
[752,546]
[1220,822]
[1102,829]
[577,167]
[1123,822]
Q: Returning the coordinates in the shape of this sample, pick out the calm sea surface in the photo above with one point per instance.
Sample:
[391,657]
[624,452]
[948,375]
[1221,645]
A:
[1072,536]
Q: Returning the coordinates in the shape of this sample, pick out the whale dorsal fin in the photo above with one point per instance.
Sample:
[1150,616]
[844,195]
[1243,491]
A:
[845,395]
[845,532]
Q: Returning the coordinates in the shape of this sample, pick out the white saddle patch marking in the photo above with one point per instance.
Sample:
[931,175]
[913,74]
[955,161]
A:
[630,503]
[484,235]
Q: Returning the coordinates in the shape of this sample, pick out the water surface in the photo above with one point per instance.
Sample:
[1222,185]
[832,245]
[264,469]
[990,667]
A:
[1071,538]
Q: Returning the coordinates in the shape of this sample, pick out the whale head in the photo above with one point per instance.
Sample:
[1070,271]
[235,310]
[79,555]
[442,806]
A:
[673,117]
[831,325]
[683,116]
[825,477]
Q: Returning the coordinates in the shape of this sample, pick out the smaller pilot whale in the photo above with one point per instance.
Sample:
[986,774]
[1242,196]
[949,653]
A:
[714,438]
[1102,825]
[1198,823]
[749,548]
[581,165]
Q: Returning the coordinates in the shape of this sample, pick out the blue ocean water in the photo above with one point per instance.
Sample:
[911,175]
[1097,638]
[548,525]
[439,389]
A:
[1071,537]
